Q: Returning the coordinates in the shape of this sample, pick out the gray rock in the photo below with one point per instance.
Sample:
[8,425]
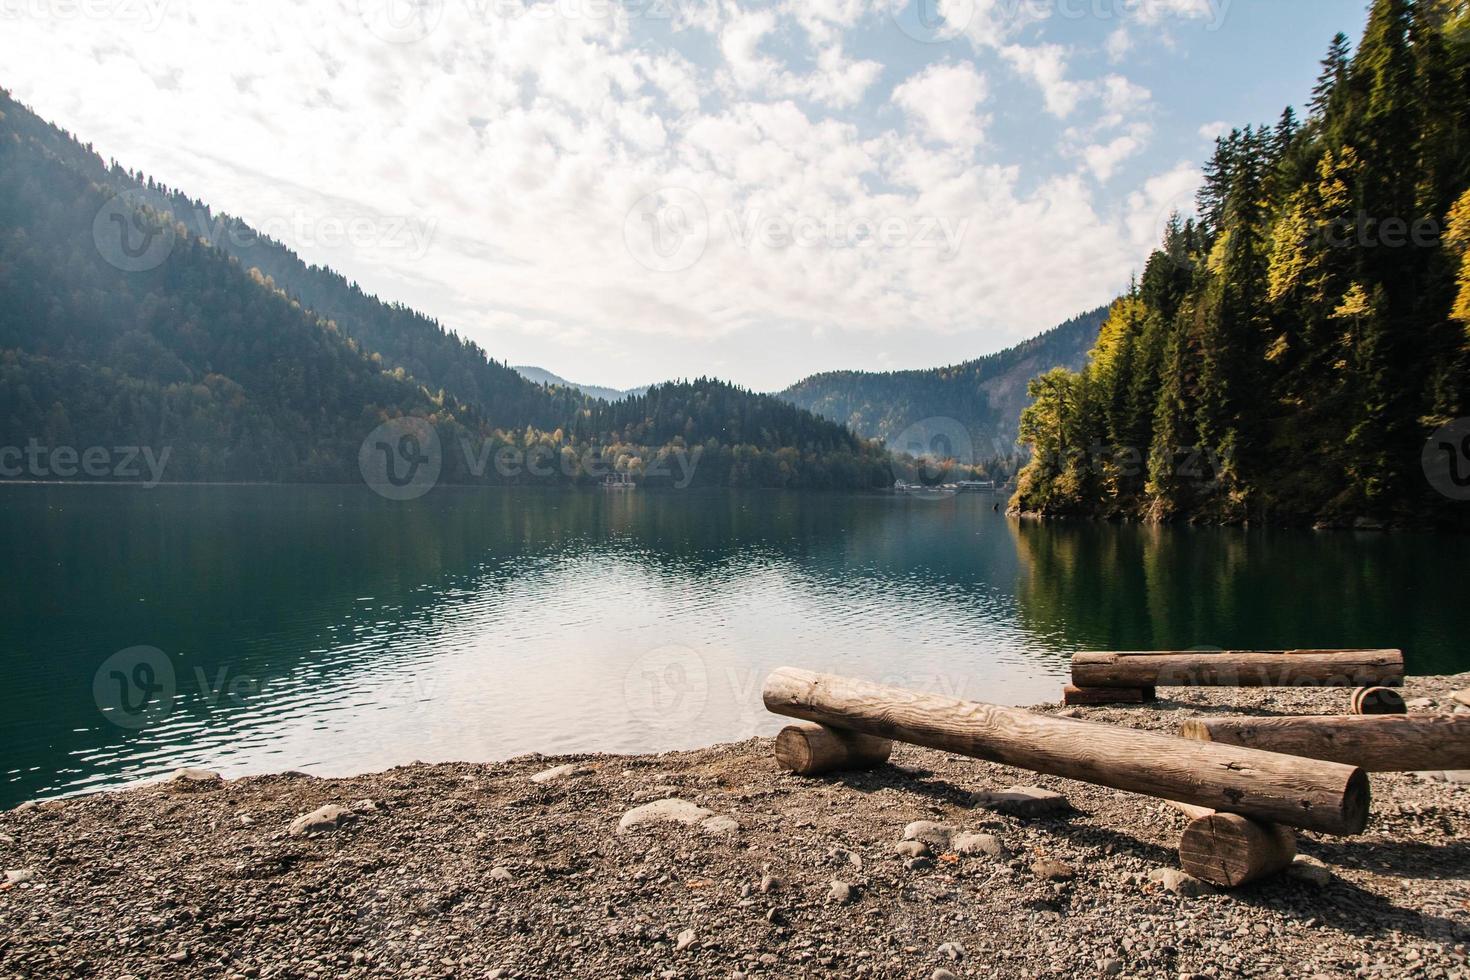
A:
[720,824]
[840,892]
[1023,801]
[1309,870]
[1462,695]
[364,806]
[1179,883]
[841,855]
[942,974]
[973,844]
[911,849]
[665,811]
[501,873]
[321,820]
[953,951]
[1420,704]
[19,876]
[769,883]
[1458,777]
[1111,967]
[195,778]
[685,940]
[936,835]
[555,773]
[1049,870]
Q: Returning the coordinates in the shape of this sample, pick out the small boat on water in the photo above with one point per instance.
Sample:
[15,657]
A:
[619,481]
[919,490]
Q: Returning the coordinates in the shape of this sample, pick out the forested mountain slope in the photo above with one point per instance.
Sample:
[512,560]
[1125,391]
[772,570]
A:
[984,396]
[1300,353]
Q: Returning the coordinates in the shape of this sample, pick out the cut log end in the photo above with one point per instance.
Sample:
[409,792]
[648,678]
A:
[809,749]
[1073,695]
[1229,850]
[1378,701]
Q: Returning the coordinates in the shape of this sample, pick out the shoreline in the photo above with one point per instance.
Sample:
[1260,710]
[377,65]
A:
[555,866]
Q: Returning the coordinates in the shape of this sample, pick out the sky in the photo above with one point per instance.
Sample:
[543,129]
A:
[627,191]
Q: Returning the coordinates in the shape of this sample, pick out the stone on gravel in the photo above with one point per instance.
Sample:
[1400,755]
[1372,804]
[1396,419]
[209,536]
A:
[1310,870]
[19,876]
[664,811]
[953,951]
[1049,870]
[911,849]
[1462,696]
[841,855]
[720,824]
[942,974]
[1111,967]
[6,839]
[321,820]
[554,773]
[1457,777]
[1022,801]
[769,883]
[936,835]
[195,778]
[972,844]
[685,940]
[840,892]
[1179,883]
[501,873]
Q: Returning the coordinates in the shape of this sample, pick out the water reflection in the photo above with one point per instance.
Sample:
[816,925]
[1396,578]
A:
[327,629]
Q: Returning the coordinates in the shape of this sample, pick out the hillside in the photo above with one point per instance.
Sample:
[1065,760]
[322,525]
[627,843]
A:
[127,319]
[984,396]
[541,376]
[1301,353]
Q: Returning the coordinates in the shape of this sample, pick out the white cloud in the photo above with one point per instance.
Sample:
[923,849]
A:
[1213,131]
[1103,159]
[943,102]
[1118,44]
[1046,65]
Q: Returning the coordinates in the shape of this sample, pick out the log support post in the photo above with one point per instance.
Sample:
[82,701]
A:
[809,749]
[1229,850]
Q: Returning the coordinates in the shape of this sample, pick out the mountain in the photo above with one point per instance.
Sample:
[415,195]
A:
[976,403]
[1301,353]
[541,376]
[132,316]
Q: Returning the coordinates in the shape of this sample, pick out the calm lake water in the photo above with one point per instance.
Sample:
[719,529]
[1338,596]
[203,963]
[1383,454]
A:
[257,629]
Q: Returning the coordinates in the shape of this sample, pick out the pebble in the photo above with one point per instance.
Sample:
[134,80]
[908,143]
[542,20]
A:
[840,892]
[662,812]
[685,940]
[1022,801]
[769,883]
[19,876]
[1462,695]
[196,778]
[841,855]
[1111,966]
[321,820]
[1457,777]
[942,974]
[953,951]
[554,773]
[6,839]
[987,844]
[911,849]
[1049,870]
[1310,870]
[501,873]
[1179,883]
[936,835]
[721,824]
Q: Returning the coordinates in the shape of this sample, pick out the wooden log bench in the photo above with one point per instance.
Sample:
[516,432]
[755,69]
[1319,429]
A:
[1130,677]
[1373,743]
[1265,787]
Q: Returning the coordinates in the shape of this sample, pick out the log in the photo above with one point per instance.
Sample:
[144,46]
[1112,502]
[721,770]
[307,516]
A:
[1230,850]
[1190,810]
[1239,668]
[1072,694]
[1373,743]
[1315,795]
[1378,701]
[809,749]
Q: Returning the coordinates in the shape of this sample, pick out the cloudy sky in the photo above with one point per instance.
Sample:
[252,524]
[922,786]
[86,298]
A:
[623,191]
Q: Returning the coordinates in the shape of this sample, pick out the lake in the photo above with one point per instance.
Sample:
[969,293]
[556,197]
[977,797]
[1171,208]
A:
[259,629]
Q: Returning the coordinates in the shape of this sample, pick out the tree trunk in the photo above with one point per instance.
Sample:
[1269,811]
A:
[1374,743]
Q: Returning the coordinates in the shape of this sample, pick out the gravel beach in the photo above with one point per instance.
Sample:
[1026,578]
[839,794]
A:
[559,867]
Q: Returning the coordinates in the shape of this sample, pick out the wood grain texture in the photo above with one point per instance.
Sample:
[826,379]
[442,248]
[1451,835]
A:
[1305,793]
[1230,850]
[1238,668]
[809,749]
[1373,743]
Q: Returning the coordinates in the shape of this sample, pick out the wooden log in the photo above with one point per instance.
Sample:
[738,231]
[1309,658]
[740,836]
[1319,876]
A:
[1072,694]
[809,749]
[1378,701]
[1190,810]
[1319,796]
[1239,668]
[1373,743]
[1229,850]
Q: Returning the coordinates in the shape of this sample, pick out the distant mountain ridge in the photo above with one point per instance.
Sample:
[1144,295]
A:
[984,396]
[544,377]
